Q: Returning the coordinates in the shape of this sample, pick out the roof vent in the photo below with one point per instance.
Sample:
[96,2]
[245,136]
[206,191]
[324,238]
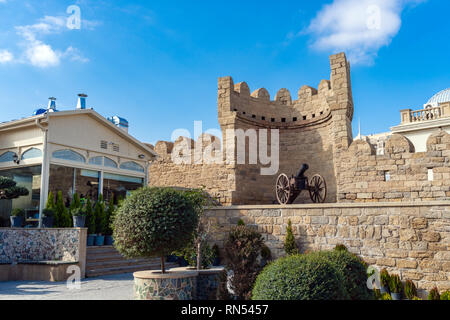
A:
[119,122]
[51,104]
[81,105]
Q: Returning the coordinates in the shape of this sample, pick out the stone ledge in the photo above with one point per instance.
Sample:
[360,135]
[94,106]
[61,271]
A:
[168,275]
[337,205]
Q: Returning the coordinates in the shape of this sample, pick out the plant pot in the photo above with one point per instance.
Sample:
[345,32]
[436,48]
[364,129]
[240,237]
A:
[91,239]
[99,240]
[216,262]
[109,241]
[396,296]
[384,290]
[183,262]
[79,221]
[154,285]
[16,222]
[47,222]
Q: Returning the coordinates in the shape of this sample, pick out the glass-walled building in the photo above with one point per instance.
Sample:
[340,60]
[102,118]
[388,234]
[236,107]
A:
[69,151]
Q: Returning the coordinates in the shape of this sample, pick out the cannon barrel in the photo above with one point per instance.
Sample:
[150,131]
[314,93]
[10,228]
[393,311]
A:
[302,171]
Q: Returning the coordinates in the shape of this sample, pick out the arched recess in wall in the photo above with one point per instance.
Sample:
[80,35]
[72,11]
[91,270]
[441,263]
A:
[69,155]
[32,154]
[132,166]
[7,156]
[109,163]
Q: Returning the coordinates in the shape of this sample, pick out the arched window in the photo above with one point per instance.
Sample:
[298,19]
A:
[109,163]
[97,161]
[132,166]
[31,154]
[68,155]
[7,157]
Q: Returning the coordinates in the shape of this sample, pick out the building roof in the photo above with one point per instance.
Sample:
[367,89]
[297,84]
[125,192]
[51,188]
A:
[441,96]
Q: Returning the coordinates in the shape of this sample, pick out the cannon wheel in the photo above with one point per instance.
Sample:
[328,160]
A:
[317,189]
[283,189]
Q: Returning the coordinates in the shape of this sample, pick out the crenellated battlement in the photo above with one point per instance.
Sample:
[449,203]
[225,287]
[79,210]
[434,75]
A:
[312,105]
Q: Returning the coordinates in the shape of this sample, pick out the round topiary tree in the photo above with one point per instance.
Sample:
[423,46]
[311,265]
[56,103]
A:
[300,277]
[354,271]
[154,222]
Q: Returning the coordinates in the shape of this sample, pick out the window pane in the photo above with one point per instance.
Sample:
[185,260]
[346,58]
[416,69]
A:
[31,154]
[68,155]
[30,178]
[133,166]
[119,185]
[7,157]
[110,163]
[98,161]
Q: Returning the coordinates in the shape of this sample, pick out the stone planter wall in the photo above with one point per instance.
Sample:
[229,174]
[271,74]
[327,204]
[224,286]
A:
[207,282]
[410,239]
[174,285]
[35,254]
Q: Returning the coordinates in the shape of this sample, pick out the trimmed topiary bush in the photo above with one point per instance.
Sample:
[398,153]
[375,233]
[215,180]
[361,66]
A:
[300,277]
[154,222]
[354,271]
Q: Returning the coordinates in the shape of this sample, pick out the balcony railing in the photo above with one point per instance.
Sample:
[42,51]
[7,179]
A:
[426,114]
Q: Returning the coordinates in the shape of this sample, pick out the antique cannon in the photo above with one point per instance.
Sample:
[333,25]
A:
[287,189]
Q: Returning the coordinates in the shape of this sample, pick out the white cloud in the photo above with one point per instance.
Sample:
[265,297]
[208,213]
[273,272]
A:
[358,27]
[6,56]
[41,54]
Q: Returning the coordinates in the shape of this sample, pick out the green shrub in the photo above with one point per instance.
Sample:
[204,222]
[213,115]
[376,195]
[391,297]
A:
[300,277]
[90,217]
[18,212]
[242,249]
[434,294]
[385,278]
[265,253]
[395,284]
[290,246]
[62,217]
[154,222]
[386,296]
[340,247]
[416,298]
[189,253]
[109,216]
[50,201]
[410,289]
[48,213]
[100,216]
[241,222]
[354,271]
[445,295]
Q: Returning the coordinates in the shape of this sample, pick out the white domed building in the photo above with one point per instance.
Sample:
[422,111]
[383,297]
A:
[418,125]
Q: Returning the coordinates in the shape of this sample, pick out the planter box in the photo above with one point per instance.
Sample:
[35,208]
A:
[173,285]
[208,281]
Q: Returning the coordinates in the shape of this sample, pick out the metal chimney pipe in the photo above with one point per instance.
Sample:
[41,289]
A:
[51,104]
[81,101]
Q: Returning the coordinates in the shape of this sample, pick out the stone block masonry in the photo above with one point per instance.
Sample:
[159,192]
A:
[410,239]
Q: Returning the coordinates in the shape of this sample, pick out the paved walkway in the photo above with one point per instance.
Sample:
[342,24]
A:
[115,287]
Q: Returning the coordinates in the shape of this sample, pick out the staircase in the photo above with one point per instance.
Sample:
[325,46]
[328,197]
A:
[106,260]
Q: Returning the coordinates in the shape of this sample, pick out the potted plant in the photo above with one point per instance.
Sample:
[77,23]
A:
[109,215]
[434,294]
[154,222]
[216,261]
[17,218]
[410,290]
[266,255]
[90,223]
[100,221]
[395,286]
[79,217]
[384,281]
[47,218]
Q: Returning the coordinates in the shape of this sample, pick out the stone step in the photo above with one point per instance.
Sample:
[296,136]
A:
[119,262]
[125,269]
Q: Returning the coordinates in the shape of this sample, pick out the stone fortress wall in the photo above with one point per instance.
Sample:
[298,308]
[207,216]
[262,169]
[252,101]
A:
[399,175]
[313,129]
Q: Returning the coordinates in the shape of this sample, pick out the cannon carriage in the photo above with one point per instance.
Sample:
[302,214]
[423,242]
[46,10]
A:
[288,189]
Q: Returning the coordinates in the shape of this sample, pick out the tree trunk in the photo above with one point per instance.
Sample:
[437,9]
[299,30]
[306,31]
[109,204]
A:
[163,266]
[199,255]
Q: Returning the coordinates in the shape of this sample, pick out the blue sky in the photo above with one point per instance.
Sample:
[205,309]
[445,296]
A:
[156,63]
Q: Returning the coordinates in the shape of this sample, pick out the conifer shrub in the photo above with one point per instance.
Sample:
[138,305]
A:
[290,246]
[242,249]
[410,289]
[90,217]
[62,218]
[434,294]
[300,277]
